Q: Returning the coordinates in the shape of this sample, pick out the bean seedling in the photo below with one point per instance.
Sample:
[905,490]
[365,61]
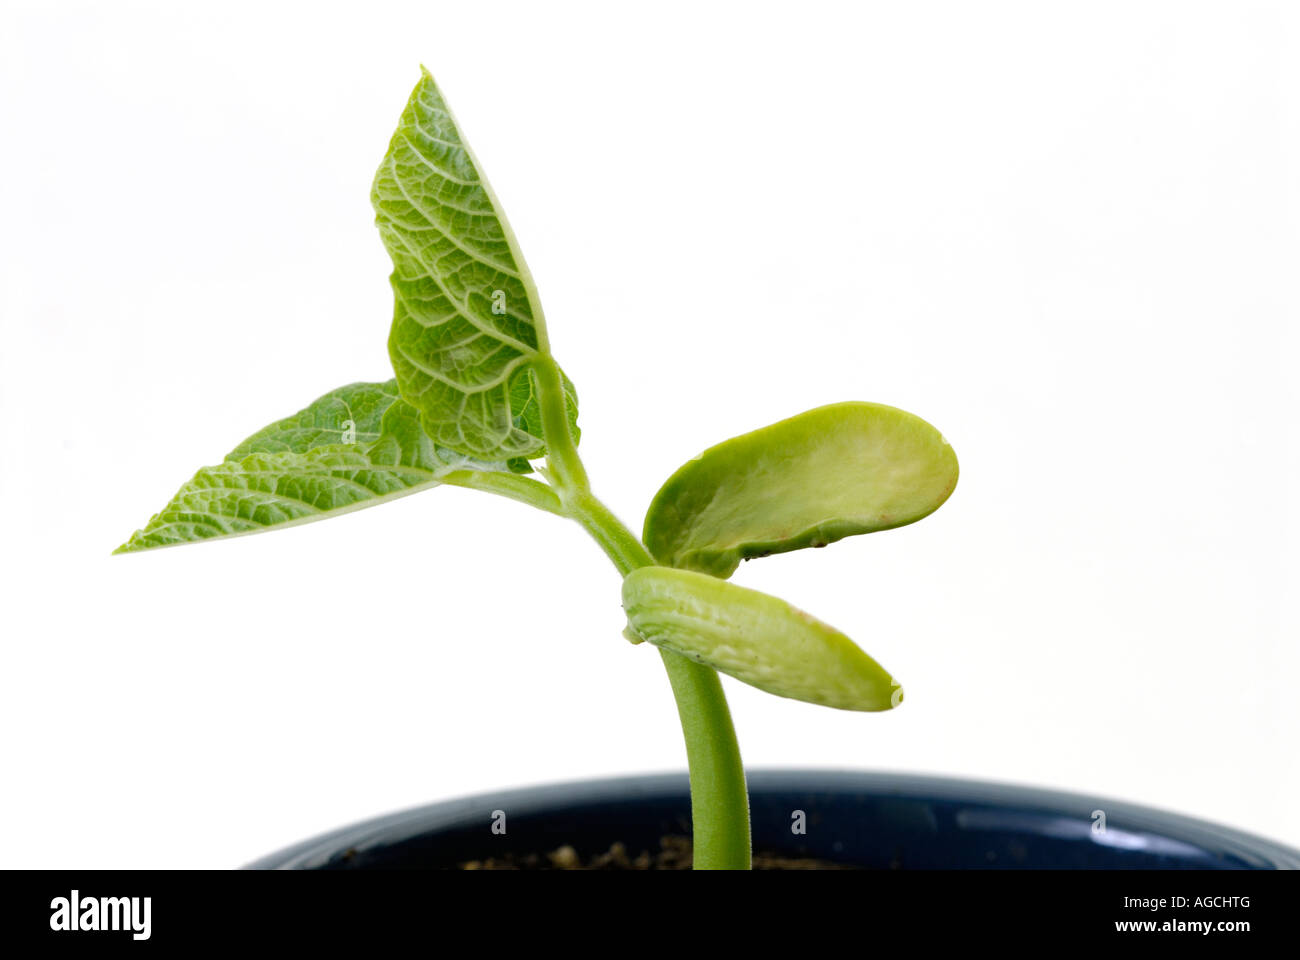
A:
[478,401]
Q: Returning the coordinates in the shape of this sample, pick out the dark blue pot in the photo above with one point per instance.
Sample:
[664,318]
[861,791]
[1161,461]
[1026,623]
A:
[869,820]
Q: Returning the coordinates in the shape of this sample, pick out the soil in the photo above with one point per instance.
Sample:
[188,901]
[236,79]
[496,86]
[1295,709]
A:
[674,853]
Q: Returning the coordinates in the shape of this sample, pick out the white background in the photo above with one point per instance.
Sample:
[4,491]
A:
[1066,234]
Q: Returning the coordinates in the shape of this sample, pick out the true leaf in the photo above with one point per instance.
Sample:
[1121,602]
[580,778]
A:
[467,319]
[354,447]
[754,637]
[350,414]
[815,478]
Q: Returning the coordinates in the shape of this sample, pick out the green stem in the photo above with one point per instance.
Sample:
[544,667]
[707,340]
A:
[561,453]
[719,799]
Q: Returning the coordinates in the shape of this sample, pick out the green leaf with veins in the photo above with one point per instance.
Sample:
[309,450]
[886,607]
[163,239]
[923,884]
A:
[348,414]
[467,319]
[298,470]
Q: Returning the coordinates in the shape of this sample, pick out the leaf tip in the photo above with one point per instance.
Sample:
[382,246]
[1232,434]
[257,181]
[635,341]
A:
[896,697]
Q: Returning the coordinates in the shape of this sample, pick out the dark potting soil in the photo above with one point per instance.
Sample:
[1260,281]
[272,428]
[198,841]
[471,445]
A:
[674,853]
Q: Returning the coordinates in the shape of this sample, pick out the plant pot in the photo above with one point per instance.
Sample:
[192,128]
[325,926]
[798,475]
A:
[864,820]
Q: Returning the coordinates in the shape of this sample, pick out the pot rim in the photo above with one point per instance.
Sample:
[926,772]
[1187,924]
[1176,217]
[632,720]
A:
[984,804]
